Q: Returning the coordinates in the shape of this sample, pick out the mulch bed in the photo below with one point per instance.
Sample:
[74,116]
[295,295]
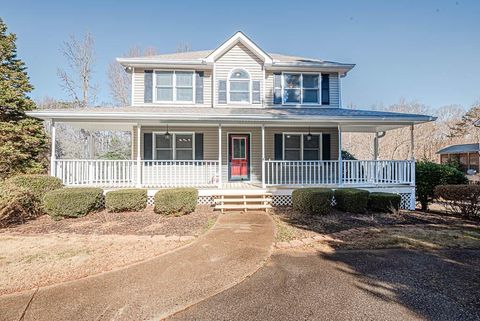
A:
[308,225]
[128,223]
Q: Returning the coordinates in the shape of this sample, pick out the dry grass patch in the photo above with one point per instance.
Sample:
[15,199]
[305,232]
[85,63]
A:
[30,261]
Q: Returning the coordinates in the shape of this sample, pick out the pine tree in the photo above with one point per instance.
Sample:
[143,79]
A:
[466,126]
[23,142]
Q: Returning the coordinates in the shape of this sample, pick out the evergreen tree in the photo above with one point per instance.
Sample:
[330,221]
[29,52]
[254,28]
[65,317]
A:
[23,142]
[465,127]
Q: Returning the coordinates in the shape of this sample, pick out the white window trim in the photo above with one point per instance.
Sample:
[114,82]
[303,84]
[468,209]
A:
[174,147]
[249,87]
[174,84]
[302,134]
[319,103]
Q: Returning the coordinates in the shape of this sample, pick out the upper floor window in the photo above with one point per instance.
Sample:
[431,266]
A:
[239,86]
[174,86]
[300,88]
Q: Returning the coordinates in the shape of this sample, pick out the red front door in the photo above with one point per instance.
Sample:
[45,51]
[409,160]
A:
[239,156]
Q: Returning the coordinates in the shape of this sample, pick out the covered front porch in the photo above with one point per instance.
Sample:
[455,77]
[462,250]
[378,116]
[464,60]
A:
[213,149]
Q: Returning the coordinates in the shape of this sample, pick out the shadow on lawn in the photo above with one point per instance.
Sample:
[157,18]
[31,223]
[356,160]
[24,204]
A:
[443,285]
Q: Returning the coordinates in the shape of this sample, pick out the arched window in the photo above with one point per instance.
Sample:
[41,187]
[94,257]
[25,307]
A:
[239,86]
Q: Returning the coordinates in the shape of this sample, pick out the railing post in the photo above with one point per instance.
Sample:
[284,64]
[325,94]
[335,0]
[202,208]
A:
[139,159]
[263,156]
[340,164]
[219,156]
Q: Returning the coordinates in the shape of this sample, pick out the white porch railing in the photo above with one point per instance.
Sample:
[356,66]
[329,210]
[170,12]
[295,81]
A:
[115,173]
[123,173]
[204,173]
[353,172]
[179,173]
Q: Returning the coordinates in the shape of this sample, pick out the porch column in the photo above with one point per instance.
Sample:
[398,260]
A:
[375,146]
[263,156]
[52,156]
[340,163]
[412,143]
[92,145]
[219,156]
[139,158]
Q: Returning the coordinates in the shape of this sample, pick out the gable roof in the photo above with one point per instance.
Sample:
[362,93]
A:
[207,57]
[459,149]
[232,41]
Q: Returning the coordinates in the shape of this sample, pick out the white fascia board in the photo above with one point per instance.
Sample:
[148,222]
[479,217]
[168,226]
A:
[151,63]
[239,37]
[135,116]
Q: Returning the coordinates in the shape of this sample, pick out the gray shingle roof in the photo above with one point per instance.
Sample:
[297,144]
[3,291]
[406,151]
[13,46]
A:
[202,54]
[459,149]
[261,113]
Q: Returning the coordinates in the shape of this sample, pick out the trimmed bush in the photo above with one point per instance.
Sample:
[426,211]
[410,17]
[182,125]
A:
[383,202]
[428,175]
[72,202]
[37,184]
[312,200]
[460,199]
[351,200]
[17,205]
[175,201]
[125,200]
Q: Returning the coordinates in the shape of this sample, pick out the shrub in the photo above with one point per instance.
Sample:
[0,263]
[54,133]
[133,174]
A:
[72,202]
[125,200]
[176,201]
[460,199]
[37,184]
[428,175]
[383,202]
[351,200]
[17,205]
[312,200]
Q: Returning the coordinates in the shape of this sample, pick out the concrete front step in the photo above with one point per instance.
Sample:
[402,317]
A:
[243,206]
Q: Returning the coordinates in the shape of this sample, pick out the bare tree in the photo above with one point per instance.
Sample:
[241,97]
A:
[77,79]
[120,82]
[183,47]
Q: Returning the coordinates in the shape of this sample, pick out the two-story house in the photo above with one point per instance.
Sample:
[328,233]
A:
[237,119]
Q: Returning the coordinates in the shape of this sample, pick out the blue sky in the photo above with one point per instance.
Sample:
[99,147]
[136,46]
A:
[427,51]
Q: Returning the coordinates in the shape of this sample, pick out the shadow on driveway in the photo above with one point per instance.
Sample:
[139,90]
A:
[441,285]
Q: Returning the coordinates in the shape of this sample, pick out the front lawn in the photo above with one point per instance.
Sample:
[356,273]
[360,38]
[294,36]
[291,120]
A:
[402,229]
[44,251]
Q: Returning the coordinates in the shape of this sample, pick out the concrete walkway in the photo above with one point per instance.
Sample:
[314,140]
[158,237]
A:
[235,248]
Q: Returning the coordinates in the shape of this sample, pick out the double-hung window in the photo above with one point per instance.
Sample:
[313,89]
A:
[176,146]
[301,146]
[239,86]
[301,88]
[174,86]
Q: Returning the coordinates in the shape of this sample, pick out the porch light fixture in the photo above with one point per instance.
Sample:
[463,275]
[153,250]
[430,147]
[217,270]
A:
[309,135]
[167,134]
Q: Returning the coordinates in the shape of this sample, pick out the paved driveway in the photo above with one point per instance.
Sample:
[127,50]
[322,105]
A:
[353,285]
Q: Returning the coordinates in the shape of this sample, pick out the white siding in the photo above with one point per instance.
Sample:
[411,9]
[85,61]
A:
[238,56]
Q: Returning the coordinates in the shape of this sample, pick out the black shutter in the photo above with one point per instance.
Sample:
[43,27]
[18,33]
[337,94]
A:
[147,146]
[278,145]
[148,84]
[198,146]
[277,88]
[326,147]
[325,89]
[199,87]
[222,91]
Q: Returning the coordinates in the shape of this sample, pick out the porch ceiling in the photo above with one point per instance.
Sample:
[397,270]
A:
[352,120]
